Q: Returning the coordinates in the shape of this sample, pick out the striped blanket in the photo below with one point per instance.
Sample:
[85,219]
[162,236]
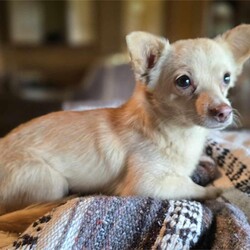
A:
[102,222]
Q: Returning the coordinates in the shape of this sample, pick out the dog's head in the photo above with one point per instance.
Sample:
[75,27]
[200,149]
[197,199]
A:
[189,79]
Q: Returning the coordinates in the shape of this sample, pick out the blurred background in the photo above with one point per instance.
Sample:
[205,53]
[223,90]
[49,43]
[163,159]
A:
[71,54]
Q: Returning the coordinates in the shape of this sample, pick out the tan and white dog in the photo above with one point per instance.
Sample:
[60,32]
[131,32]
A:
[149,146]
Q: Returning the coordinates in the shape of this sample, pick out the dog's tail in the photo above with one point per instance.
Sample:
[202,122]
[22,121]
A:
[14,223]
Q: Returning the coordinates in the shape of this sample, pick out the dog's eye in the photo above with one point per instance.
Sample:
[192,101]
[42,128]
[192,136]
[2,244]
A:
[183,81]
[226,78]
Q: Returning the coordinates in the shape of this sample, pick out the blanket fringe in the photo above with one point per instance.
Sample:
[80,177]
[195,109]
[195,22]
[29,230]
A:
[18,221]
[7,239]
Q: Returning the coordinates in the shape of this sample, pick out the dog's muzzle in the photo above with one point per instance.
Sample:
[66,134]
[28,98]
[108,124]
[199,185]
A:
[220,113]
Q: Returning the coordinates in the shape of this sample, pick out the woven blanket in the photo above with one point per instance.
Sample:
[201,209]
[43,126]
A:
[102,222]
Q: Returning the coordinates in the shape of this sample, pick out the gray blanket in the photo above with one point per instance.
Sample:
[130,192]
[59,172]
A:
[102,222]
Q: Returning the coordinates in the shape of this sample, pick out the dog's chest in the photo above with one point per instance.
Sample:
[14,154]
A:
[182,148]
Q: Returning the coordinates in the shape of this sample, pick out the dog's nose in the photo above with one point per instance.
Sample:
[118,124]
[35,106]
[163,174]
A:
[221,113]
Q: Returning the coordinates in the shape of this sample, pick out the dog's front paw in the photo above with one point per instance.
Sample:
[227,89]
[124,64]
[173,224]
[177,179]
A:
[212,193]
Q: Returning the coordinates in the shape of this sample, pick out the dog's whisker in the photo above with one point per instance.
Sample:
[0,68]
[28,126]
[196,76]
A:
[237,121]
[237,113]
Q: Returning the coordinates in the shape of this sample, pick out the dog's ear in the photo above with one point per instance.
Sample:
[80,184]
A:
[238,41]
[146,51]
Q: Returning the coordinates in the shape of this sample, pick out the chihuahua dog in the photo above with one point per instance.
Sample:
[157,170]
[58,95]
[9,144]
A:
[149,146]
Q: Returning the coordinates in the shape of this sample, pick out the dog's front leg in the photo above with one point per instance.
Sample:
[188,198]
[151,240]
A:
[168,187]
[182,187]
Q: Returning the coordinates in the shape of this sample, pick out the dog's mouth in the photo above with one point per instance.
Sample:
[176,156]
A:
[218,126]
[215,116]
[212,123]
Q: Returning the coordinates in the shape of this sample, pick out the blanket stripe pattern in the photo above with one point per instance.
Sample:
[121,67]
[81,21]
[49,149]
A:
[102,222]
[119,223]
